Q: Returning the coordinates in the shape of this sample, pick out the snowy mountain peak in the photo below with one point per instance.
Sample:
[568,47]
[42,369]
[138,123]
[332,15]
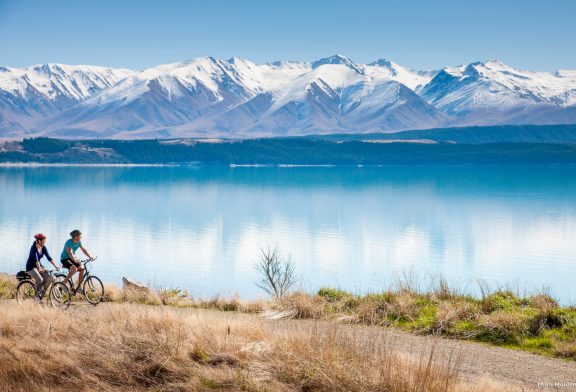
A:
[335,59]
[489,63]
[494,62]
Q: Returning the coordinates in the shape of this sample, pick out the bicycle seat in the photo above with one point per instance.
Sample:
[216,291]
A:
[23,275]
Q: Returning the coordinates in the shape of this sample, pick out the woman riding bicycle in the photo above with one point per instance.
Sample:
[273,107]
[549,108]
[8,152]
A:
[35,268]
[69,260]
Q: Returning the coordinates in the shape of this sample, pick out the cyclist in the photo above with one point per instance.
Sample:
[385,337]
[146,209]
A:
[69,260]
[35,268]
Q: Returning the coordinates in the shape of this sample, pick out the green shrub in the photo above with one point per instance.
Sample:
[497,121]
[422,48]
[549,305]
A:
[561,317]
[333,295]
[504,326]
[425,321]
[503,300]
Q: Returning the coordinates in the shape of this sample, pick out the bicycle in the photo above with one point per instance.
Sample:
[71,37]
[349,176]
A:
[58,292]
[91,285]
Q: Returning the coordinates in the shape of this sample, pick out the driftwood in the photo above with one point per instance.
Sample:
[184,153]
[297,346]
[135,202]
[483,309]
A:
[132,285]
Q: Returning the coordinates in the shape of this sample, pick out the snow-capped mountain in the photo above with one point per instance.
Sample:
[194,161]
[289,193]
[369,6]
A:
[238,98]
[332,94]
[32,94]
[490,93]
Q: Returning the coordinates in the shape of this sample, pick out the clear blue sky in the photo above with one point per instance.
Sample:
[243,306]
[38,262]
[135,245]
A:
[427,34]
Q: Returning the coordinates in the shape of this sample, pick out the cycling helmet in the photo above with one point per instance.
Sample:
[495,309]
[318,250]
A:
[74,233]
[40,236]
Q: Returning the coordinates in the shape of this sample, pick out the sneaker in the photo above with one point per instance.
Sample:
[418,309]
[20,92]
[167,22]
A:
[39,299]
[79,290]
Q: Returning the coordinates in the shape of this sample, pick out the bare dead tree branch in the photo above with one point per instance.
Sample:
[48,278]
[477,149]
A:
[276,275]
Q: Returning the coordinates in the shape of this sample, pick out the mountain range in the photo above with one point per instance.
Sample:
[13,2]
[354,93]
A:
[208,97]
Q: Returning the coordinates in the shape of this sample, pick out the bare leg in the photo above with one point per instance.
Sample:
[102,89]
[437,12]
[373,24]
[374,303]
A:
[80,277]
[72,272]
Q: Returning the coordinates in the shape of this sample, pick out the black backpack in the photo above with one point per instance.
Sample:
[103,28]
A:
[23,275]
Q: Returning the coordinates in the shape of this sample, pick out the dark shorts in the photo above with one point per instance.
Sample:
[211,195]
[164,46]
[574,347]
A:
[68,263]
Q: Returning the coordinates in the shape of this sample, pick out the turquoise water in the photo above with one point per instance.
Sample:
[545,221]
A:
[201,229]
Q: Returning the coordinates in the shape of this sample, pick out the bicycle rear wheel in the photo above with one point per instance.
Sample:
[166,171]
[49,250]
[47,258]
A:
[93,290]
[60,296]
[25,292]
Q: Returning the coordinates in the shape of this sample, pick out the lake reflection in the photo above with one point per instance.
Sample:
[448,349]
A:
[201,229]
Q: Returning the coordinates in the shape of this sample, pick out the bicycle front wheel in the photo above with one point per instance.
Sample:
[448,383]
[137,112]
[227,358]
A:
[60,296]
[59,277]
[93,290]
[25,292]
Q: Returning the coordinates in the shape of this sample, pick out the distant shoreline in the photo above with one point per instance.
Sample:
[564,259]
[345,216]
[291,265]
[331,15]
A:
[39,164]
[290,152]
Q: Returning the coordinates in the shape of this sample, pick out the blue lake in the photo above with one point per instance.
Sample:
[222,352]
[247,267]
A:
[358,228]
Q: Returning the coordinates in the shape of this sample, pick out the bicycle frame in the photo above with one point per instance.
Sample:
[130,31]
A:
[86,272]
[91,285]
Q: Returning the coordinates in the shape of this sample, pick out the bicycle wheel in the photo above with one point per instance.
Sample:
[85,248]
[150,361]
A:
[60,295]
[59,277]
[93,290]
[25,292]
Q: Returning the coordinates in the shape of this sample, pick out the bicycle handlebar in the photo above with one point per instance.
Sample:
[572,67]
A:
[88,260]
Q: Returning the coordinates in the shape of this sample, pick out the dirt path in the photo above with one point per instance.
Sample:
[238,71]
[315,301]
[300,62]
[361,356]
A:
[519,370]
[477,361]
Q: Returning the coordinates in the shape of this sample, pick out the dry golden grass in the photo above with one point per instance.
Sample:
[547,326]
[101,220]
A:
[131,347]
[7,285]
[181,299]
[536,323]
